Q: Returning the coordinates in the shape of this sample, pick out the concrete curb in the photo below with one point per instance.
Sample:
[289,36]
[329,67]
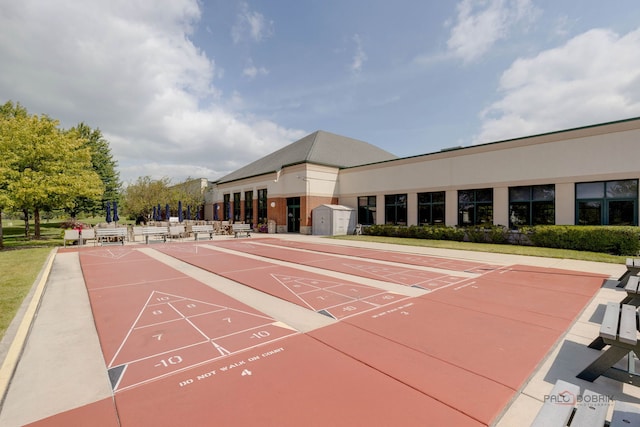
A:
[19,339]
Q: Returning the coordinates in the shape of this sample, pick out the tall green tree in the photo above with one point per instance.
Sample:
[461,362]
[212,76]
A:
[141,196]
[8,111]
[104,165]
[48,168]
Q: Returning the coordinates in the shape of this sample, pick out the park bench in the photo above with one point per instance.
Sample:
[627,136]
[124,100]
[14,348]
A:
[111,235]
[619,330]
[71,236]
[202,229]
[176,232]
[88,234]
[241,229]
[160,233]
[565,406]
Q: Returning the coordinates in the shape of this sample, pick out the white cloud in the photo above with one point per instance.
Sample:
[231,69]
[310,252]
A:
[251,71]
[593,78]
[130,69]
[250,24]
[481,23]
[359,56]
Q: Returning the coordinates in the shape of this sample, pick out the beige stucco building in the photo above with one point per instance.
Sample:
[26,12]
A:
[587,175]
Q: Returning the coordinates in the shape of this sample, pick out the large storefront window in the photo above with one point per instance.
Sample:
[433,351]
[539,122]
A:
[262,206]
[248,207]
[367,210]
[395,209]
[607,203]
[475,207]
[226,207]
[431,208]
[532,205]
[236,207]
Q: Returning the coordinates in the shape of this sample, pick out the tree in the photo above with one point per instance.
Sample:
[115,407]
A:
[46,167]
[141,196]
[104,165]
[8,111]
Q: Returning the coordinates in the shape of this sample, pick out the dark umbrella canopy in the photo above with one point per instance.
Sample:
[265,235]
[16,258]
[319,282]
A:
[215,212]
[166,212]
[115,211]
[180,216]
[189,212]
[155,214]
[108,212]
[158,212]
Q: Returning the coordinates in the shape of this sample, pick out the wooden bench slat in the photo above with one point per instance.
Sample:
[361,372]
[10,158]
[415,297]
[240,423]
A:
[557,413]
[625,415]
[628,333]
[591,411]
[632,285]
[609,327]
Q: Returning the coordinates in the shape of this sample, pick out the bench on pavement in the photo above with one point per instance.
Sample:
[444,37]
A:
[202,229]
[565,406]
[71,236]
[160,233]
[619,330]
[177,231]
[88,234]
[111,235]
[241,229]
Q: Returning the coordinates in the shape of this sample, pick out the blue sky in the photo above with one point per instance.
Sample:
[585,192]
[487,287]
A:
[185,88]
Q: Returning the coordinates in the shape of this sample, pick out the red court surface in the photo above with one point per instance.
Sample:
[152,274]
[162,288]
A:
[393,256]
[179,352]
[402,275]
[332,297]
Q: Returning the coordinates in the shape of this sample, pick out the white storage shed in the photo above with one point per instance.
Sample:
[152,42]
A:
[333,220]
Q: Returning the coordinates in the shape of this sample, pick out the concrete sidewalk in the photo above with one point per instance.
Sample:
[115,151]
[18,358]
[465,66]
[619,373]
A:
[61,367]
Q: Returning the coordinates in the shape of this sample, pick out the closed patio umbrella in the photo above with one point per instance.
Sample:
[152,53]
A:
[155,215]
[189,212]
[108,212]
[159,217]
[166,212]
[180,217]
[115,212]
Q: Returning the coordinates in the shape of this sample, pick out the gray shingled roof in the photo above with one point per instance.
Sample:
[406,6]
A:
[320,147]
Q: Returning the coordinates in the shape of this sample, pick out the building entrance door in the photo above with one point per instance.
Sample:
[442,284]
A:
[293,214]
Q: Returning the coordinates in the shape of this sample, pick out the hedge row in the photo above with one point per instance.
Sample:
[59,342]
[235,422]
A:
[612,240]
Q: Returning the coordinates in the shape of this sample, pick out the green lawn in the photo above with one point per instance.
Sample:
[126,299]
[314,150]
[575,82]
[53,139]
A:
[20,269]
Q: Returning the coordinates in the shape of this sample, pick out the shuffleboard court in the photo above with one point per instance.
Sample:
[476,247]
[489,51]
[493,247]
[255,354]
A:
[153,328]
[393,256]
[402,275]
[327,295]
[299,382]
[484,332]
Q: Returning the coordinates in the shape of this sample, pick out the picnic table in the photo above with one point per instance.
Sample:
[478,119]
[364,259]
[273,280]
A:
[566,406]
[619,330]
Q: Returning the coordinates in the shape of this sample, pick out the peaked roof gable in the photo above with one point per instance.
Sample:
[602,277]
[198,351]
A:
[320,147]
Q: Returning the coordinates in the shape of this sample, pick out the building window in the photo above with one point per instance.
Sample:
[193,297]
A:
[475,207]
[248,207]
[226,208]
[236,207]
[262,206]
[607,203]
[395,209]
[431,208]
[532,205]
[367,210]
